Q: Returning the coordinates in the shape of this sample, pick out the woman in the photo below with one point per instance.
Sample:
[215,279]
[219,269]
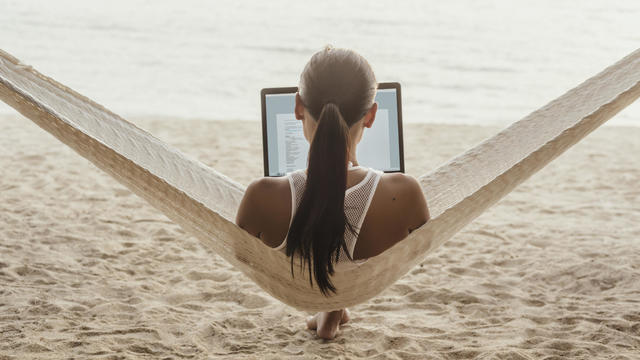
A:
[334,210]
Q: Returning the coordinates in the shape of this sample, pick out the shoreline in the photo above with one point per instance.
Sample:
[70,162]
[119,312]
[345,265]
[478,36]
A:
[150,117]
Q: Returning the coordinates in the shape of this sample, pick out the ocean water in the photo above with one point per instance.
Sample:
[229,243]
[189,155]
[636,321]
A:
[488,62]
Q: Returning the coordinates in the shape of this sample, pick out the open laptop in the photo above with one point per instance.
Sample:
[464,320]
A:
[286,149]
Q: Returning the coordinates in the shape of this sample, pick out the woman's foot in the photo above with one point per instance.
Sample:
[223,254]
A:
[327,324]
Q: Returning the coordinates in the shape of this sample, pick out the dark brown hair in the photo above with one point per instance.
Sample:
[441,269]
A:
[337,87]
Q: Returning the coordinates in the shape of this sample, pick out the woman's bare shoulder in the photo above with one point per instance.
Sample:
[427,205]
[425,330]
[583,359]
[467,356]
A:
[397,208]
[267,184]
[265,204]
[406,192]
[401,182]
[267,192]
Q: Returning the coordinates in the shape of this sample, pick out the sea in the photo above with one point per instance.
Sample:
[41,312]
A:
[458,61]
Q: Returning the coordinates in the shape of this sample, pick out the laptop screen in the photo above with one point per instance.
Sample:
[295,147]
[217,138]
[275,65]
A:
[286,148]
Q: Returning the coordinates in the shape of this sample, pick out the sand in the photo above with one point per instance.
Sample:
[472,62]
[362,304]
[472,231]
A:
[89,270]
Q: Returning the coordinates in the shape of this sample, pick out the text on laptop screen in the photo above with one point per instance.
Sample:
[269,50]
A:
[287,149]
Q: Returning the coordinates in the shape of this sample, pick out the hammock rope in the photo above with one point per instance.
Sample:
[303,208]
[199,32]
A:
[204,201]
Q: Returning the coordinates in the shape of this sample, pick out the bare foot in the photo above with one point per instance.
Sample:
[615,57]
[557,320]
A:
[327,324]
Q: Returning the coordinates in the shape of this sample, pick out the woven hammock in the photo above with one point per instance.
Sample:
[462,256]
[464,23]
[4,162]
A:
[204,201]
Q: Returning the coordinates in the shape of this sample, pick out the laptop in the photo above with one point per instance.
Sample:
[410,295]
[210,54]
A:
[285,147]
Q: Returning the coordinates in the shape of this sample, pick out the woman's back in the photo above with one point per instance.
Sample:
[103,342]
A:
[396,207]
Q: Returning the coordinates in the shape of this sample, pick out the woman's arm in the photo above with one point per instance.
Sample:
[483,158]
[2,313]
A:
[250,208]
[420,215]
[265,209]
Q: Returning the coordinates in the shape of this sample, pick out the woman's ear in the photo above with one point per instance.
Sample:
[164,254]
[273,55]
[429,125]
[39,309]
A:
[371,115]
[299,107]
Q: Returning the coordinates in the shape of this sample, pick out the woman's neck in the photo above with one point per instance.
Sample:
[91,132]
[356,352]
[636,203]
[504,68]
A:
[352,156]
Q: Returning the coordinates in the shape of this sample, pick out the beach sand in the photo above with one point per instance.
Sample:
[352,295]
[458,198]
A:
[89,270]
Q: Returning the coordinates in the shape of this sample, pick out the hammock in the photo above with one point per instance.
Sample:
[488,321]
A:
[204,201]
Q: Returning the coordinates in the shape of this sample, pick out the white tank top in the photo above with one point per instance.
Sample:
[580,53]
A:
[356,203]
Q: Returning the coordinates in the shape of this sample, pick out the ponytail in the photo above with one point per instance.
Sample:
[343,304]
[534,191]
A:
[337,87]
[318,227]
